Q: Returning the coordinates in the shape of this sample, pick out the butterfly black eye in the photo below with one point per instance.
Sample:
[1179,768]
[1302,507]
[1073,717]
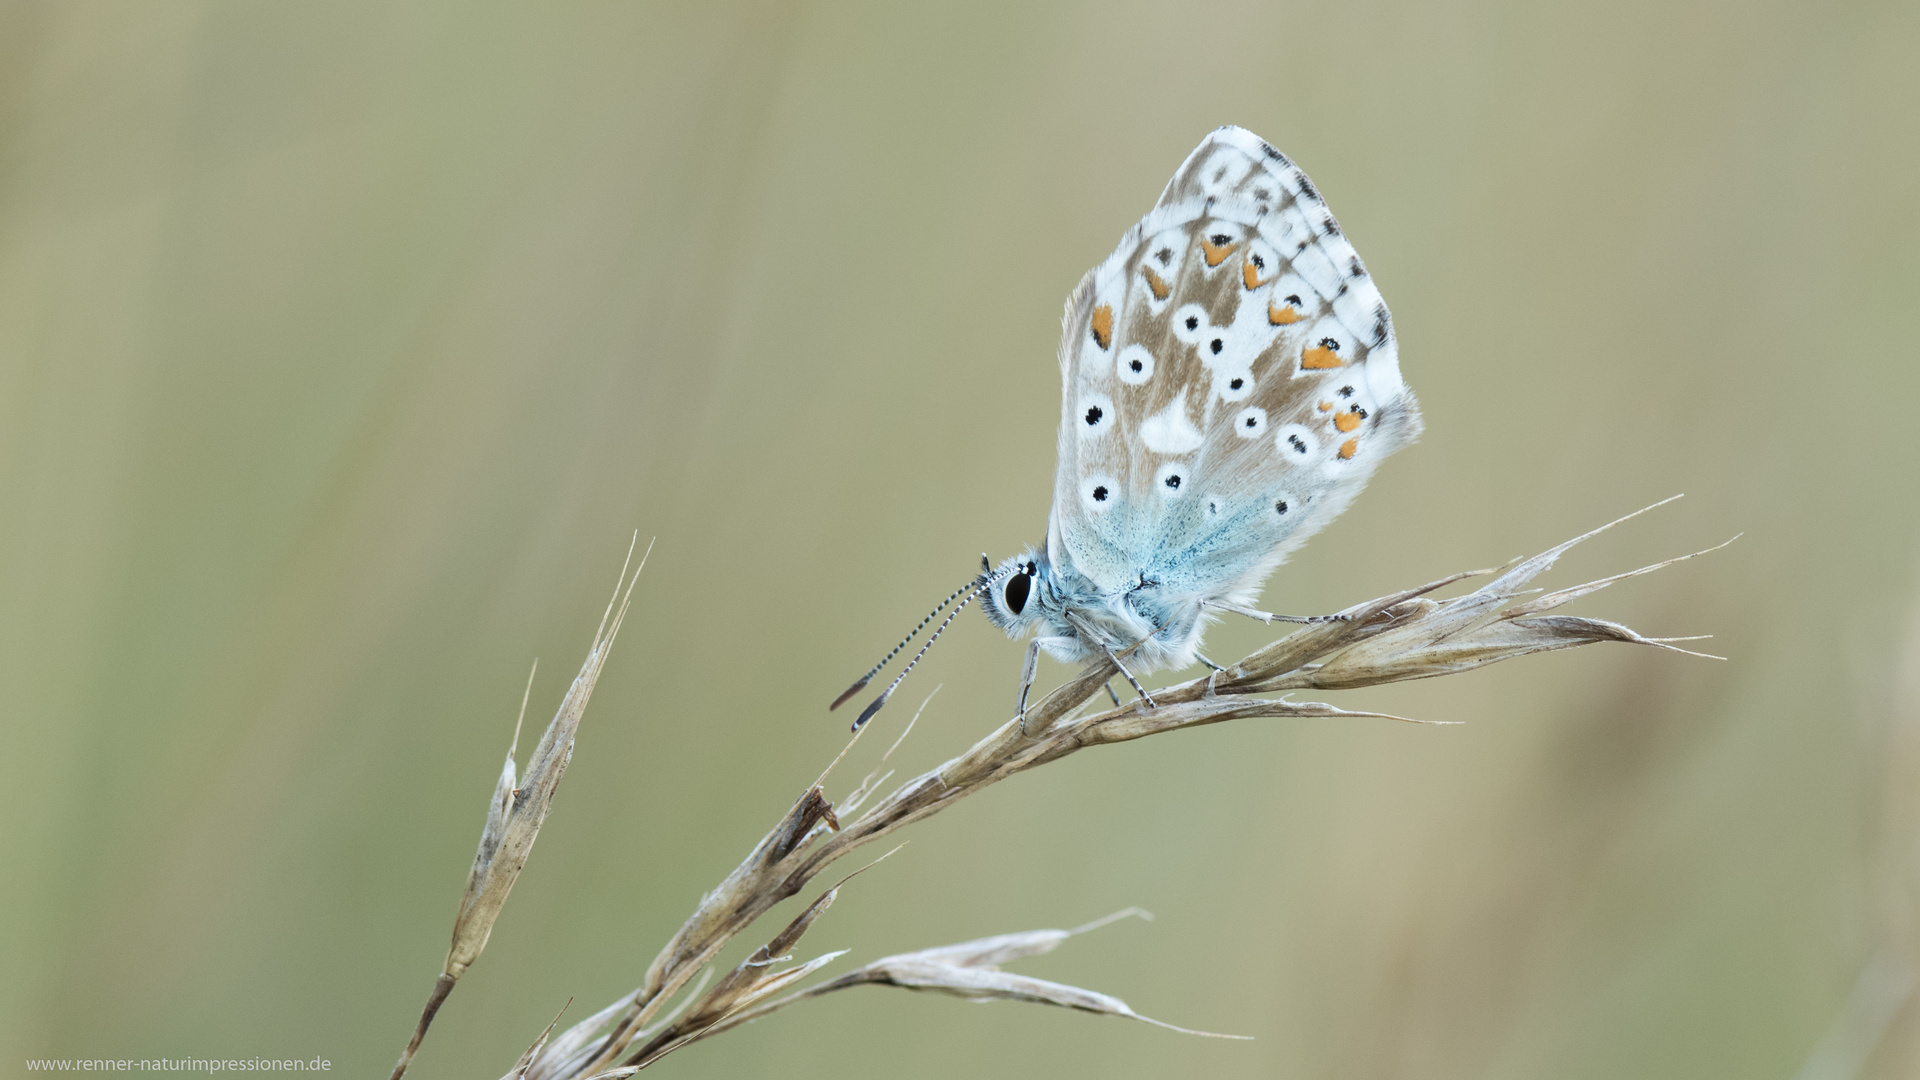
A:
[1018,586]
[1236,384]
[1193,322]
[1216,345]
[1173,481]
[1294,300]
[1093,415]
[1100,493]
[1329,344]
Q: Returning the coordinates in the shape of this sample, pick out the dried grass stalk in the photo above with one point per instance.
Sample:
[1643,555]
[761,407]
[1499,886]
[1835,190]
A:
[971,970]
[517,810]
[1405,635]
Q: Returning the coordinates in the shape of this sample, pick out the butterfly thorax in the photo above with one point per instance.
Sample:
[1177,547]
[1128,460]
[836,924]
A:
[1152,625]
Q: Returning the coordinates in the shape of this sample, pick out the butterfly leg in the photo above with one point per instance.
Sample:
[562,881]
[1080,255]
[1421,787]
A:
[1131,681]
[1209,663]
[1270,618]
[1028,669]
[1115,698]
[1027,672]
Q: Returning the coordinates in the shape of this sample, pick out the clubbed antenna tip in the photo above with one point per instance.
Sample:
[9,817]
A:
[866,714]
[847,693]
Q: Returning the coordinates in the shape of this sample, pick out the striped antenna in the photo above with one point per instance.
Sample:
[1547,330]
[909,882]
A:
[868,677]
[979,587]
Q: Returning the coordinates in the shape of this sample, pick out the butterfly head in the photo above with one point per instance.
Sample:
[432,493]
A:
[1016,590]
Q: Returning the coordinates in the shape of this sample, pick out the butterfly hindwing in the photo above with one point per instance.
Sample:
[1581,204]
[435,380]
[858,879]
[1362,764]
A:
[1230,380]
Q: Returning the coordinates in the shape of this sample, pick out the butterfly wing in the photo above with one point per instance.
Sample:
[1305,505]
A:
[1230,381]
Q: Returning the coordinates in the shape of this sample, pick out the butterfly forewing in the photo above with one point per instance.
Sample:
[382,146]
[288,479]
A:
[1230,381]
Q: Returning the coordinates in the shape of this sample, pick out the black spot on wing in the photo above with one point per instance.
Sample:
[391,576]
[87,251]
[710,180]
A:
[1330,226]
[1307,189]
[1267,149]
[1382,324]
[1357,268]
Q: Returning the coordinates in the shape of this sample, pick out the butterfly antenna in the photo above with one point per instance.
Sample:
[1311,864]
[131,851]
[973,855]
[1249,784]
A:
[979,587]
[868,677]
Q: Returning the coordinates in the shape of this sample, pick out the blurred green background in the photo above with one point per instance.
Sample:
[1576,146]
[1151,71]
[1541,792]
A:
[344,345]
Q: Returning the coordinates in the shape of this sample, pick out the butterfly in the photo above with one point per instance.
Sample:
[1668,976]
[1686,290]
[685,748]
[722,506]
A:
[1229,382]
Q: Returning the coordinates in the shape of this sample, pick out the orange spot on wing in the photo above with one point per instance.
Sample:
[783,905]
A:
[1347,421]
[1216,255]
[1348,449]
[1319,358]
[1326,406]
[1250,274]
[1160,288]
[1103,325]
[1282,314]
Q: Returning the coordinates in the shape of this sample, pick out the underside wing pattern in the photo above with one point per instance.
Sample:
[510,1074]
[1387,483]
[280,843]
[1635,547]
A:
[1230,380]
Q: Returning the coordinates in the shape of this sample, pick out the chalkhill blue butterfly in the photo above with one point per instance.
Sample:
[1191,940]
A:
[1229,381]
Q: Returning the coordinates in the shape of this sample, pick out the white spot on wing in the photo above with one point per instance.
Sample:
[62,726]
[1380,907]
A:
[1098,493]
[1171,480]
[1195,314]
[1169,431]
[1296,443]
[1135,365]
[1096,415]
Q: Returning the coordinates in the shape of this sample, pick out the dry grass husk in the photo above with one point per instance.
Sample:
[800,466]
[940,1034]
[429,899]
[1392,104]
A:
[517,810]
[1405,635]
